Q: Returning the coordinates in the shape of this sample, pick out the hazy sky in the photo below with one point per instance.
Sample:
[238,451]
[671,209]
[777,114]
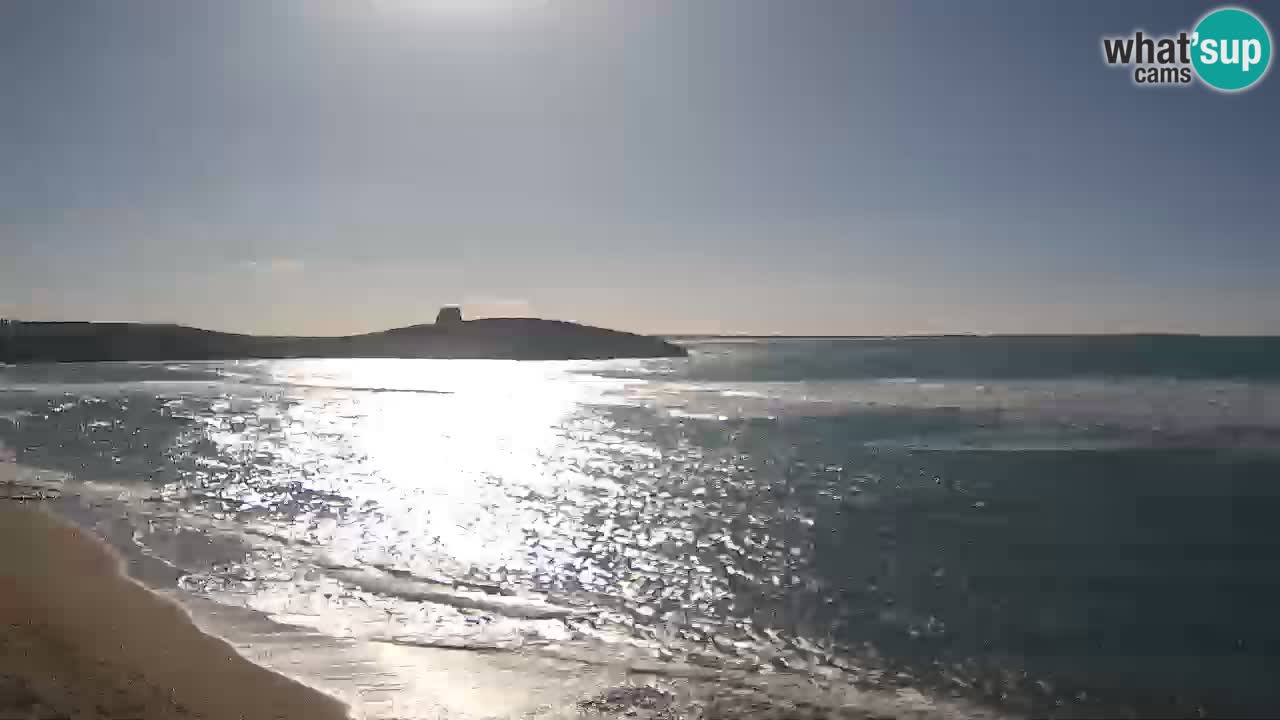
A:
[759,166]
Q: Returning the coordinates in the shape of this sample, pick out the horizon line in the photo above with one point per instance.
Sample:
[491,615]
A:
[716,336]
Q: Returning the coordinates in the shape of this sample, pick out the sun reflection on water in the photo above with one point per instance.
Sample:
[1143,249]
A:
[479,504]
[436,455]
[552,508]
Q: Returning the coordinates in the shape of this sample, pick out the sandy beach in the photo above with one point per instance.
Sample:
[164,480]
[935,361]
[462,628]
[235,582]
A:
[79,639]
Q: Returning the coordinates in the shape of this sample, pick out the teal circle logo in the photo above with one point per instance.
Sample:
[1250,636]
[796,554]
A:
[1231,49]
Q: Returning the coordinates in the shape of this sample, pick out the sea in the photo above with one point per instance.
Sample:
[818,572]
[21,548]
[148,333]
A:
[769,528]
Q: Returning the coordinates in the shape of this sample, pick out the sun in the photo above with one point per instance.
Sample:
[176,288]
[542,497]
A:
[462,9]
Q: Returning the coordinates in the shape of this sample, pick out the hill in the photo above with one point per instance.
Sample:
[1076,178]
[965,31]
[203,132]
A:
[499,338]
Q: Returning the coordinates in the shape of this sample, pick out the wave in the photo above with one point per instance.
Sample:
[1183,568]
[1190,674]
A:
[250,383]
[382,583]
[1014,415]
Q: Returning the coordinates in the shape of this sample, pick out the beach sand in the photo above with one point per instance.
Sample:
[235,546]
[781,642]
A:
[79,639]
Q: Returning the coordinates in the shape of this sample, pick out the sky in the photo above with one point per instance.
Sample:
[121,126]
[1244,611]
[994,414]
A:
[722,166]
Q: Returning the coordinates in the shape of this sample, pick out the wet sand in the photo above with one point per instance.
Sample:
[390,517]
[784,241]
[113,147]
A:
[79,639]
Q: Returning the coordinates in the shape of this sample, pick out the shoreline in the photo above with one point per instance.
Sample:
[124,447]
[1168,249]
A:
[87,632]
[80,638]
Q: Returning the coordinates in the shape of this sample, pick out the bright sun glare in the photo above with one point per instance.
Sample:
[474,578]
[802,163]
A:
[478,9]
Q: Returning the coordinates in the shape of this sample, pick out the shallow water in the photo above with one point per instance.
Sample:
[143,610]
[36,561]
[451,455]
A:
[753,517]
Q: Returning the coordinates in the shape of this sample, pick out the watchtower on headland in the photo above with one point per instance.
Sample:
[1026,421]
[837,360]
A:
[8,340]
[449,316]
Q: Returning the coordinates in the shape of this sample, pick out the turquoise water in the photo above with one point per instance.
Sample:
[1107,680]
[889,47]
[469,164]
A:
[1079,527]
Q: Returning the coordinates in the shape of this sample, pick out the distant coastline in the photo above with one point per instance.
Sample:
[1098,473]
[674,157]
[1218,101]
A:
[449,337]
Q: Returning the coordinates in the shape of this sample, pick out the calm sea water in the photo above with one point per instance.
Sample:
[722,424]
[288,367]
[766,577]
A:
[1078,527]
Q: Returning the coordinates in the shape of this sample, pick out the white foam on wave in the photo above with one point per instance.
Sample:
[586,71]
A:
[1009,415]
[383,583]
